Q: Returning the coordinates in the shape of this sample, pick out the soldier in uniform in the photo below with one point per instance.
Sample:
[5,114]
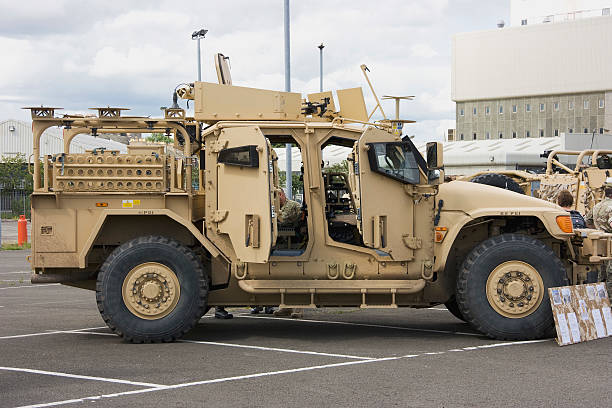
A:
[600,217]
[289,215]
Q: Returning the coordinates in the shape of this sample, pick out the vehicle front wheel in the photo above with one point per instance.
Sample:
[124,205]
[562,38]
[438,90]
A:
[152,289]
[453,307]
[502,287]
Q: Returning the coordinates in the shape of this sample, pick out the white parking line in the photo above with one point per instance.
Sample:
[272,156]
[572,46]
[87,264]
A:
[16,272]
[316,353]
[80,377]
[31,286]
[18,336]
[271,373]
[216,343]
[380,326]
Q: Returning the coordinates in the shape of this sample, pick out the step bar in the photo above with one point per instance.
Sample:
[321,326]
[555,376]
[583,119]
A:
[312,287]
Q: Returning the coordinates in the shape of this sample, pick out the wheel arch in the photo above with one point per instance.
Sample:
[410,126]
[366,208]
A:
[115,227]
[469,232]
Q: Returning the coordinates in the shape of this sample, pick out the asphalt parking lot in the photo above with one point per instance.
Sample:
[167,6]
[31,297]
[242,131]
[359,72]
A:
[9,231]
[56,351]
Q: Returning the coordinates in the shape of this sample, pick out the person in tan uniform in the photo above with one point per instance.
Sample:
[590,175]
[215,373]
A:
[600,217]
[289,215]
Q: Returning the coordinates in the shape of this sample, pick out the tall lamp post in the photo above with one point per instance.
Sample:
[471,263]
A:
[288,155]
[320,47]
[197,35]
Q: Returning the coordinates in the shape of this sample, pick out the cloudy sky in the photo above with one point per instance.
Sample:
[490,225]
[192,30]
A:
[81,54]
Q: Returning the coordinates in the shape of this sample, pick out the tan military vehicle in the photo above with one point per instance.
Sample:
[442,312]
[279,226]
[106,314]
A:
[585,180]
[160,252]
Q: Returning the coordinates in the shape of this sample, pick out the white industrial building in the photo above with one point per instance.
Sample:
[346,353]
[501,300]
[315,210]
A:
[16,137]
[539,78]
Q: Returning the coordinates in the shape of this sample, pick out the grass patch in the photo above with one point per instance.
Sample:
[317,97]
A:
[12,246]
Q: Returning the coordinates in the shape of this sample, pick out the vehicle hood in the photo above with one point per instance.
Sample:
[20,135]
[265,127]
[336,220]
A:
[473,198]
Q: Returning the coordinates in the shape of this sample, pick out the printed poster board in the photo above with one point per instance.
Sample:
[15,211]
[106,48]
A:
[581,312]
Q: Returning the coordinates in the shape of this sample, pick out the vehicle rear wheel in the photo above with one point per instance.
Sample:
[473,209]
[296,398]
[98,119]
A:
[502,287]
[152,289]
[453,307]
[498,180]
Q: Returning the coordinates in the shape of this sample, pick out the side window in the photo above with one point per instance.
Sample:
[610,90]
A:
[244,156]
[395,160]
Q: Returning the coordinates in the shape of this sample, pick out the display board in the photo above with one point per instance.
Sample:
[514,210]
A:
[581,312]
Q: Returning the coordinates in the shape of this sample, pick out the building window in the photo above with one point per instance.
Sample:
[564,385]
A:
[501,135]
[556,132]
[487,110]
[524,21]
[501,109]
[488,135]
[528,107]
[586,104]
[461,136]
[461,112]
[474,136]
[513,108]
[601,104]
[474,110]
[570,105]
[542,107]
[514,135]
[556,106]
[541,132]
[527,133]
[571,130]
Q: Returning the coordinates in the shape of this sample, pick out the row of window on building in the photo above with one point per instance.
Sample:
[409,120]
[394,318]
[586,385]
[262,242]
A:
[570,106]
[527,133]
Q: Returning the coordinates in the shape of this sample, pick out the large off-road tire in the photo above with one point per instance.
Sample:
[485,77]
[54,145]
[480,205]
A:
[152,289]
[502,287]
[498,180]
[453,307]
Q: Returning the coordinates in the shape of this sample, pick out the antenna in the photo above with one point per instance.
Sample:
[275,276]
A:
[364,68]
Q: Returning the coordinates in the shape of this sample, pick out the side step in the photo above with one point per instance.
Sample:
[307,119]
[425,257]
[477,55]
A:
[313,287]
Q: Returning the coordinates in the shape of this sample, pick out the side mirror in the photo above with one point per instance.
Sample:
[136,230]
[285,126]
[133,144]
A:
[434,155]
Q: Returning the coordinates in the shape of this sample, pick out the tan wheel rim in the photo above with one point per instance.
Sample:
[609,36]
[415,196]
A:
[151,290]
[515,289]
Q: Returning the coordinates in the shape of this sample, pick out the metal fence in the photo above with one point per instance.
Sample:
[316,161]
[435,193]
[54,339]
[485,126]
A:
[14,203]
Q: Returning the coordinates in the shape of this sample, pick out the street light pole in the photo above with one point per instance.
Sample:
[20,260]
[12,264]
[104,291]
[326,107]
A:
[288,156]
[320,47]
[197,35]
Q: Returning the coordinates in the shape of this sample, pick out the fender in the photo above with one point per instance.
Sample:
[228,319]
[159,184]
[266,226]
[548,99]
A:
[206,243]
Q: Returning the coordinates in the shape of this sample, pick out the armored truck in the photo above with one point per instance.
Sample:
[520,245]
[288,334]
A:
[160,246]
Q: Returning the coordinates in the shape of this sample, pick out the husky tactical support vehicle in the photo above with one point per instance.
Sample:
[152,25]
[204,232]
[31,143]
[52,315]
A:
[585,181]
[159,252]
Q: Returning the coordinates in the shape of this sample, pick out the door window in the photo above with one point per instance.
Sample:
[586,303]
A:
[395,160]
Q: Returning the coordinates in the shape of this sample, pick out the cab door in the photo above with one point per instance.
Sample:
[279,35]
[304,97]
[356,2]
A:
[393,217]
[244,211]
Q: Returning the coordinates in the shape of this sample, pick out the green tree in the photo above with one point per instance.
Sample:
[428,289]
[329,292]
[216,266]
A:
[297,185]
[14,173]
[159,137]
[341,167]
